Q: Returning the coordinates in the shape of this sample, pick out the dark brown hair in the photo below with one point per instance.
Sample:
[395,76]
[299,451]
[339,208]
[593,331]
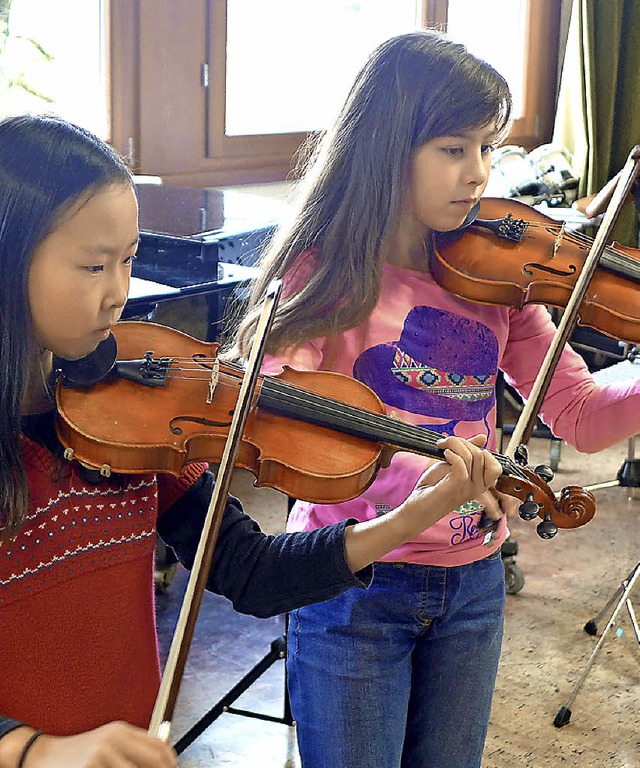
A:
[46,165]
[413,88]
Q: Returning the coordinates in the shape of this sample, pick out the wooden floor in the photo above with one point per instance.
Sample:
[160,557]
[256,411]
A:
[568,580]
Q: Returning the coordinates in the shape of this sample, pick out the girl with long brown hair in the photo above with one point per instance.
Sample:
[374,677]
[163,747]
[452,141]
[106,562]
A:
[402,674]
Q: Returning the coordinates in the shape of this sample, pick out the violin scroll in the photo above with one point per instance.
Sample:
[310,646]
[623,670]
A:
[576,506]
[572,507]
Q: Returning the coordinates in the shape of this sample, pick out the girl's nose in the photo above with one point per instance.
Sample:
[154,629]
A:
[478,170]
[118,291]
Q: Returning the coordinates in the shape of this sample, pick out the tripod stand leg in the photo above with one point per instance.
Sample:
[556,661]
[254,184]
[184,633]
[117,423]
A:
[591,627]
[564,713]
[634,621]
[278,651]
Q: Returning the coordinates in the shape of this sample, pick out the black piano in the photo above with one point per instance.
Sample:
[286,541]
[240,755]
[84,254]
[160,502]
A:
[197,241]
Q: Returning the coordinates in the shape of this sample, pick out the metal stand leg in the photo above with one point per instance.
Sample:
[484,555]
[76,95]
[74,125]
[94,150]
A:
[564,714]
[628,475]
[278,651]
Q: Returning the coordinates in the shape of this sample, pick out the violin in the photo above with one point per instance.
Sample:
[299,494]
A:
[512,255]
[316,436]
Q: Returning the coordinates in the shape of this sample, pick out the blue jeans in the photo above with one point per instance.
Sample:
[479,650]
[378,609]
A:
[402,673]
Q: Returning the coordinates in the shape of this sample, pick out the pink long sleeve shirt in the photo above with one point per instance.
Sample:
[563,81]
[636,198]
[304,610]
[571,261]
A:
[433,358]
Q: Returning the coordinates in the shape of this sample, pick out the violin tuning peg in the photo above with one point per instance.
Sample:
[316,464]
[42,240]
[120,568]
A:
[521,456]
[486,524]
[545,472]
[547,529]
[528,510]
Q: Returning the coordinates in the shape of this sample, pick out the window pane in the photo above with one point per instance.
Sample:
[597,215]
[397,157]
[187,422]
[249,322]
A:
[290,63]
[53,61]
[494,30]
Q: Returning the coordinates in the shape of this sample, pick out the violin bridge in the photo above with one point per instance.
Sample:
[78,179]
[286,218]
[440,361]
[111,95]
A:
[213,381]
[558,241]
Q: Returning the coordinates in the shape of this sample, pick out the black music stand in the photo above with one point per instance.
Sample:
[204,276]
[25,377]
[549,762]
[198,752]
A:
[277,651]
[628,477]
[622,599]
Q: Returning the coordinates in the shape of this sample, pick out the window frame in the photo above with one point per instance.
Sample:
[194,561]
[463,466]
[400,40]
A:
[170,121]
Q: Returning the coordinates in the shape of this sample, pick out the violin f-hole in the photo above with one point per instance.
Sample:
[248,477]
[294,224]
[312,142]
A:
[527,269]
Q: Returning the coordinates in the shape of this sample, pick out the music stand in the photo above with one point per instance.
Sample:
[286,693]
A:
[277,651]
[628,477]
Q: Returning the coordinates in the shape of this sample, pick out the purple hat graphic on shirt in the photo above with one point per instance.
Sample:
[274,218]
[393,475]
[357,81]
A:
[443,366]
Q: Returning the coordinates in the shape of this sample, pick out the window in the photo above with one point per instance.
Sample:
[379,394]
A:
[289,92]
[520,39]
[48,64]
[501,43]
[225,91]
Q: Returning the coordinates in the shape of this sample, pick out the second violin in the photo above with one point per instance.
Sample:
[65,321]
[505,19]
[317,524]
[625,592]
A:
[512,255]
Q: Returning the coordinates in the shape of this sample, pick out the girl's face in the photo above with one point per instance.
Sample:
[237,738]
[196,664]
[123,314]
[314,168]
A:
[447,176]
[79,274]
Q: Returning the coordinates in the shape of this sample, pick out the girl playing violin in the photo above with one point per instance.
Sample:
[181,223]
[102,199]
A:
[79,668]
[402,674]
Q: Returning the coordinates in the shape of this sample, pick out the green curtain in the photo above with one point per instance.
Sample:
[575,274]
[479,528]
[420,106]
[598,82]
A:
[598,115]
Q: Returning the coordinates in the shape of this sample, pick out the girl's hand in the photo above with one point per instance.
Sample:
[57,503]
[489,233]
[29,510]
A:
[470,472]
[115,745]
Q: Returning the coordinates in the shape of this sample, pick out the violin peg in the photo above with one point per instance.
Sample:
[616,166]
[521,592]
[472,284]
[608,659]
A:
[547,529]
[521,456]
[545,472]
[486,524]
[528,510]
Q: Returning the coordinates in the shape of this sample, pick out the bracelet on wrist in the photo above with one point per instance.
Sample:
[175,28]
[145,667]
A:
[29,743]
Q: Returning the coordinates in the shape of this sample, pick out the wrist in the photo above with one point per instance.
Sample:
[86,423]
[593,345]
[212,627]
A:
[423,509]
[12,745]
[27,749]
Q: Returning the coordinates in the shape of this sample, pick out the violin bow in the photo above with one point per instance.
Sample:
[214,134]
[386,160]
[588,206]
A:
[160,724]
[525,424]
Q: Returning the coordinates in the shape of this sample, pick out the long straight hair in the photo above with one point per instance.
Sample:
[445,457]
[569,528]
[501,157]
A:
[46,165]
[413,88]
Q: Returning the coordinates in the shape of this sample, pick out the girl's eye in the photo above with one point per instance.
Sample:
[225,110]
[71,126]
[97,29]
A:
[487,148]
[454,150]
[131,259]
[95,268]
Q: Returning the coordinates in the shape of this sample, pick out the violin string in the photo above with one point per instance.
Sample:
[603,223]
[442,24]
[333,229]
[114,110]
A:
[611,256]
[409,433]
[392,427]
[331,408]
[401,429]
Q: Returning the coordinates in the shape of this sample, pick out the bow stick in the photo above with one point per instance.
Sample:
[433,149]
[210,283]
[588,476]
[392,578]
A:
[525,424]
[160,724]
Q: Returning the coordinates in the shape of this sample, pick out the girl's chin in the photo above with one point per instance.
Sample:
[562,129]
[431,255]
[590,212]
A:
[77,352]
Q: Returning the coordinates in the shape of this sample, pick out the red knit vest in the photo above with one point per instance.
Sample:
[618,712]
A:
[78,645]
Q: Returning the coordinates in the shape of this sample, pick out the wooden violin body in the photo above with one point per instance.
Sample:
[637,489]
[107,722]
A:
[314,436]
[541,267]
[130,428]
